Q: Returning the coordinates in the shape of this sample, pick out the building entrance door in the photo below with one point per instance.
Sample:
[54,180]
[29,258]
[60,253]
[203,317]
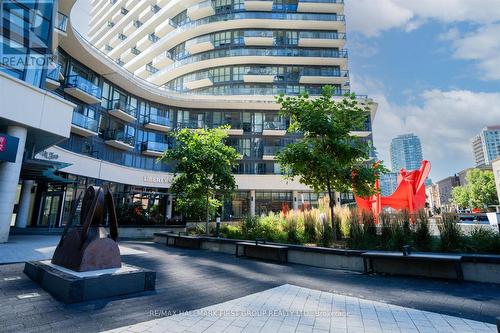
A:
[50,213]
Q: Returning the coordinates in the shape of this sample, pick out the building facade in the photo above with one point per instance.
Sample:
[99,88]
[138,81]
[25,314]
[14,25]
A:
[388,183]
[151,67]
[406,153]
[445,187]
[486,145]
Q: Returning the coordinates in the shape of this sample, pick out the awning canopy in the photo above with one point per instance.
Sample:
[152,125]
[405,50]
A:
[42,170]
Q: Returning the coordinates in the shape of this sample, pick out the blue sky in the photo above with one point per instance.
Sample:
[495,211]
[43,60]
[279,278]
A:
[432,65]
[434,68]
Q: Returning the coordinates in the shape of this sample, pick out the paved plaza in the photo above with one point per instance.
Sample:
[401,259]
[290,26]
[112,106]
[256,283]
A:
[188,280]
[288,309]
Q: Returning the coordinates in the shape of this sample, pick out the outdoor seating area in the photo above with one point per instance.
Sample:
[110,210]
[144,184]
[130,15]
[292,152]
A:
[261,250]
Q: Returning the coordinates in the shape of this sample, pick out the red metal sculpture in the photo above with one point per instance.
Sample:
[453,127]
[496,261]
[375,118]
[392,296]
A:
[410,194]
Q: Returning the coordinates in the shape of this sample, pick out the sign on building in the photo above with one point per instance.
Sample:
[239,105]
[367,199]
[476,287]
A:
[8,148]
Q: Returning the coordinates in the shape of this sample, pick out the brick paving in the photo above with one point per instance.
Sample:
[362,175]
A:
[191,279]
[292,309]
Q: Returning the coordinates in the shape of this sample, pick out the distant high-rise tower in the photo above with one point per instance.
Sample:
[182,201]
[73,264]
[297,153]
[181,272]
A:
[406,152]
[486,145]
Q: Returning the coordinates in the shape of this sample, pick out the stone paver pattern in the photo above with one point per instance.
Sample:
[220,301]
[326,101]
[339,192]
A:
[194,279]
[294,309]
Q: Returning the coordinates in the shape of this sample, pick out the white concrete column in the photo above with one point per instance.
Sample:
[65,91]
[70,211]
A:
[295,195]
[252,203]
[9,178]
[169,206]
[24,204]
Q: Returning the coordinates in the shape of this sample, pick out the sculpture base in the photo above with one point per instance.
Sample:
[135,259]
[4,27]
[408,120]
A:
[71,287]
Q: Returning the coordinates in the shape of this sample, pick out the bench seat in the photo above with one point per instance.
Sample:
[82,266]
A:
[263,251]
[431,258]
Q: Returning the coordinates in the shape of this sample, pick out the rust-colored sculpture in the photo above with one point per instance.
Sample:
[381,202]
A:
[410,194]
[88,247]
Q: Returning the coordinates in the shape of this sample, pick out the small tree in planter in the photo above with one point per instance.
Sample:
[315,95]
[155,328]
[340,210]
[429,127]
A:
[328,156]
[202,169]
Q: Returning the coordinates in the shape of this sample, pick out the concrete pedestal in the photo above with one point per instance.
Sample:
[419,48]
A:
[71,287]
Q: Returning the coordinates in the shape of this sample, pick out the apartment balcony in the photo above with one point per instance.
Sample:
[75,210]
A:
[157,123]
[164,28]
[145,71]
[259,5]
[259,38]
[148,13]
[61,23]
[320,6]
[119,139]
[129,54]
[202,82]
[270,152]
[274,128]
[322,39]
[83,89]
[191,124]
[163,60]
[131,27]
[201,10]
[314,76]
[83,125]
[155,149]
[200,44]
[235,131]
[119,15]
[123,111]
[147,41]
[54,76]
[116,40]
[259,76]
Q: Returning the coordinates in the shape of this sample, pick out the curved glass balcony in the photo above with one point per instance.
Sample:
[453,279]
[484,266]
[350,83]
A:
[264,52]
[157,122]
[122,110]
[265,90]
[83,89]
[152,148]
[84,125]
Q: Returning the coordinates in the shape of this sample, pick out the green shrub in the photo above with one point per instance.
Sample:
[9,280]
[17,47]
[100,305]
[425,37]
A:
[310,231]
[231,231]
[398,238]
[423,239]
[294,229]
[356,233]
[483,241]
[386,230]
[452,239]
[325,233]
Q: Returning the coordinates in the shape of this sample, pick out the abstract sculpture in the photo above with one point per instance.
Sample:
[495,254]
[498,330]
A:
[409,195]
[88,247]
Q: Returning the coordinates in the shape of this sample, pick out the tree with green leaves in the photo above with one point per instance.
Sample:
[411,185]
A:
[479,192]
[329,157]
[203,166]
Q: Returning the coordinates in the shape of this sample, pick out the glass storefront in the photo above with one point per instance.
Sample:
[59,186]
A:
[266,202]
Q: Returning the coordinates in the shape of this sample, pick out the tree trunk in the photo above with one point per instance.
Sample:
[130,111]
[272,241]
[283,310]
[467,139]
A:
[331,203]
[208,215]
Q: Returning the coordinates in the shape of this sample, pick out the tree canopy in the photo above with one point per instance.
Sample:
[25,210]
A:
[479,192]
[203,166]
[329,156]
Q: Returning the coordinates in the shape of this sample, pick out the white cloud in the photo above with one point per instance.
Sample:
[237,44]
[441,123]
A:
[481,45]
[445,122]
[371,17]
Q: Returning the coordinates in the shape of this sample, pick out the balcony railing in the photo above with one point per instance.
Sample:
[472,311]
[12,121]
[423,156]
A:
[322,35]
[191,124]
[324,72]
[137,23]
[157,119]
[272,150]
[154,146]
[122,106]
[53,71]
[324,1]
[259,33]
[84,121]
[153,38]
[61,22]
[275,125]
[76,81]
[151,69]
[120,135]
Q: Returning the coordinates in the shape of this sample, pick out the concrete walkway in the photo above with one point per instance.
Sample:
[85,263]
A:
[292,309]
[192,279]
[22,248]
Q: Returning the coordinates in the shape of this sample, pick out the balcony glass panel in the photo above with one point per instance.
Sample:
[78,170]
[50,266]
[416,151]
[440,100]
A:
[53,71]
[84,121]
[125,107]
[61,22]
[120,135]
[157,119]
[76,81]
[154,146]
[272,150]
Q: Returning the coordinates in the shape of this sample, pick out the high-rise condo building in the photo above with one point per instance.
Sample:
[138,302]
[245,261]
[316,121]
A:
[486,145]
[406,152]
[101,109]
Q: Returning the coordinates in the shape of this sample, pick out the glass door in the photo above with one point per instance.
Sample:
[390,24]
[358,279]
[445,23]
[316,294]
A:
[51,210]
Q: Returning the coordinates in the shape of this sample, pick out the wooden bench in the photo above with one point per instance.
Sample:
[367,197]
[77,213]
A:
[369,257]
[188,242]
[262,250]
